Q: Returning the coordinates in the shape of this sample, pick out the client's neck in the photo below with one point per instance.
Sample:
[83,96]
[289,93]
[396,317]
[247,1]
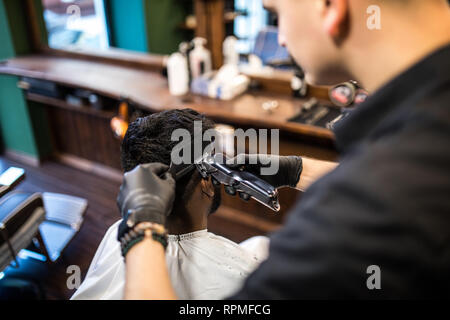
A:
[181,223]
[189,217]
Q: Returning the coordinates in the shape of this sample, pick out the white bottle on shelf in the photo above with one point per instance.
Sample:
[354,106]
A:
[199,58]
[178,74]
[231,56]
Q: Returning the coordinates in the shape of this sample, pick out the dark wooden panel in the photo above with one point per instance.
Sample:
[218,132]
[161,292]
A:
[259,212]
[84,135]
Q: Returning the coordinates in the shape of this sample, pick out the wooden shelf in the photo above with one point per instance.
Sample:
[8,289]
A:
[114,56]
[65,105]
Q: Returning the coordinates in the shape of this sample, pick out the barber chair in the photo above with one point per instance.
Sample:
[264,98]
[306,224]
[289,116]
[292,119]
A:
[46,222]
[21,214]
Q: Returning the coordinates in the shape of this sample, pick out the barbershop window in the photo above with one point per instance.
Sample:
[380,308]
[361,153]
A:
[257,33]
[250,24]
[76,24]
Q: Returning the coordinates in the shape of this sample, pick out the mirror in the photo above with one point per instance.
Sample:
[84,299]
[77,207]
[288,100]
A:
[76,24]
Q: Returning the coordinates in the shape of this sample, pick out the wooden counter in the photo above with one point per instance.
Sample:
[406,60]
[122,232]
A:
[149,90]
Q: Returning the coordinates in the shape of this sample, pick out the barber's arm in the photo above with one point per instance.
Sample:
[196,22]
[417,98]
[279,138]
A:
[145,200]
[146,276]
[313,169]
[293,171]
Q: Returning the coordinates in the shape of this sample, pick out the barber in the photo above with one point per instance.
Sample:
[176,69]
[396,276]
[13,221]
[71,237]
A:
[378,225]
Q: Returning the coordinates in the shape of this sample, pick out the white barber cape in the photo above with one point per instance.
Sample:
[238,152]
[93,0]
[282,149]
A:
[201,265]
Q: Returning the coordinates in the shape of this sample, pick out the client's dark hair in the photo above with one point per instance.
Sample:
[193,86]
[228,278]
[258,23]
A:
[148,140]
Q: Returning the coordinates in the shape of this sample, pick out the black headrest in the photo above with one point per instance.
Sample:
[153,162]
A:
[16,208]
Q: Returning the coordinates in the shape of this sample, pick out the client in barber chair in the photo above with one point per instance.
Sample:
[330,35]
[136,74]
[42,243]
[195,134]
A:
[201,265]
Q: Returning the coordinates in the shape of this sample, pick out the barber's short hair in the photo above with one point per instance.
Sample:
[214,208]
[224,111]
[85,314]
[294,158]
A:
[148,140]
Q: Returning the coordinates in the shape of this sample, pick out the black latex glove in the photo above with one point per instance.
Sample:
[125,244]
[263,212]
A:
[288,174]
[147,194]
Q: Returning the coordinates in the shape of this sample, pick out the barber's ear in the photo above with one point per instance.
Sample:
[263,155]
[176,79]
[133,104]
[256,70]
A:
[207,187]
[334,13]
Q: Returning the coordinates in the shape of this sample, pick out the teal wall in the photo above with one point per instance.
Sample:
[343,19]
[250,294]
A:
[17,27]
[127,24]
[15,123]
[147,25]
[7,48]
[17,126]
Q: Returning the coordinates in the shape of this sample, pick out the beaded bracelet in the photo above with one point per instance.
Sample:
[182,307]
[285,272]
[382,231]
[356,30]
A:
[136,235]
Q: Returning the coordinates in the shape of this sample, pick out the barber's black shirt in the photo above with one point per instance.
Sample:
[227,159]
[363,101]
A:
[387,205]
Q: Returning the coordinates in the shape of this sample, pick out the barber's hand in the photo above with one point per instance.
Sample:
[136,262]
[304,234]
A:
[147,194]
[288,174]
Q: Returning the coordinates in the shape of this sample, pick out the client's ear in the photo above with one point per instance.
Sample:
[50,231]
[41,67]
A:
[207,187]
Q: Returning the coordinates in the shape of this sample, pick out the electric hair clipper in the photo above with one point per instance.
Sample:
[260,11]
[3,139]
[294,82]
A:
[241,181]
